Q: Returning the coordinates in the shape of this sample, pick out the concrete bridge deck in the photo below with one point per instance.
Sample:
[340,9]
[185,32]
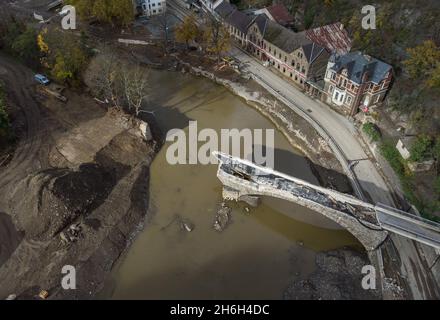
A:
[367,222]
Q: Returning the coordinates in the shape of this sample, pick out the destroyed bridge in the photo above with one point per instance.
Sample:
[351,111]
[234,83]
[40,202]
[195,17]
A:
[370,224]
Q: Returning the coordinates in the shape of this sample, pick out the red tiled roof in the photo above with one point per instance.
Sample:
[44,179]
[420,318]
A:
[280,14]
[332,37]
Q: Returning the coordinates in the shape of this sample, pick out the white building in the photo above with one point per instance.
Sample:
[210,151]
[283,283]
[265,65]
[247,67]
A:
[210,5]
[152,7]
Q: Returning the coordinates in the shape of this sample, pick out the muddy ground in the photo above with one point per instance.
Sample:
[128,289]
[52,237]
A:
[76,200]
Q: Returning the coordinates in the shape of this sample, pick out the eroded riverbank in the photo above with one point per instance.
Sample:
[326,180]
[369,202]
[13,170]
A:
[260,252]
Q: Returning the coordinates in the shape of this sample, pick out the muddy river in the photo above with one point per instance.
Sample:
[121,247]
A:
[260,251]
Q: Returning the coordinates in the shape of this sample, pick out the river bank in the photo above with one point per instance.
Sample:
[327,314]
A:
[82,201]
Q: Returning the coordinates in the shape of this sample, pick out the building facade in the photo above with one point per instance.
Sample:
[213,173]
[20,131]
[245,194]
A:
[152,7]
[356,82]
[290,53]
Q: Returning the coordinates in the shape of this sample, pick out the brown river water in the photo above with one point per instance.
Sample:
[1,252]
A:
[259,252]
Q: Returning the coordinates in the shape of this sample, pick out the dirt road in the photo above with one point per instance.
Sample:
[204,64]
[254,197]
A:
[19,87]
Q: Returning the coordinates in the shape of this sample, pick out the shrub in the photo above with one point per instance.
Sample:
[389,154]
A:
[371,131]
[421,148]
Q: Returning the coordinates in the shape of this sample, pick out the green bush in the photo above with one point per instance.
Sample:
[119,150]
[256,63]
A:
[422,148]
[392,155]
[371,131]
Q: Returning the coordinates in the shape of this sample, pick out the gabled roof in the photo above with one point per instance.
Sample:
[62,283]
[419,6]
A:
[312,51]
[224,9]
[357,64]
[280,13]
[332,37]
[239,20]
[284,38]
[261,21]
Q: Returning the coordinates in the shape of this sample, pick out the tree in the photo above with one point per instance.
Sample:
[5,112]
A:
[25,45]
[187,31]
[164,23]
[135,87]
[421,148]
[114,12]
[63,54]
[424,63]
[217,38]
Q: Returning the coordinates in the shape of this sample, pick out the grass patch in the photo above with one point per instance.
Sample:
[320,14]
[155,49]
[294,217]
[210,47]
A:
[371,131]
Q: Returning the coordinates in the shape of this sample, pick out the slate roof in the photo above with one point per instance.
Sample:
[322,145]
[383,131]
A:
[261,21]
[332,37]
[280,13]
[312,51]
[357,64]
[283,38]
[239,20]
[224,9]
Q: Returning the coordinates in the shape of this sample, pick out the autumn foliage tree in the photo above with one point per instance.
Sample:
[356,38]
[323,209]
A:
[187,31]
[424,63]
[63,54]
[217,38]
[114,12]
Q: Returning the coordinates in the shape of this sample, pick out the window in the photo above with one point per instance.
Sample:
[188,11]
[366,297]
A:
[341,98]
[345,83]
[333,75]
[278,65]
[284,69]
[285,59]
[153,5]
[301,81]
[336,95]
[296,78]
[291,75]
[330,89]
[348,99]
[293,63]
[303,70]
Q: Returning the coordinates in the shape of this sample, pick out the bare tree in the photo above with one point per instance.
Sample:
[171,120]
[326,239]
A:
[106,78]
[164,23]
[135,87]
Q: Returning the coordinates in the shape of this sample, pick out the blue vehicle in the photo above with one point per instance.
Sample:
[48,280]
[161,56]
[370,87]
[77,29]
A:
[41,79]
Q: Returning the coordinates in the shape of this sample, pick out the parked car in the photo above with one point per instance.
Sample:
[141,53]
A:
[42,79]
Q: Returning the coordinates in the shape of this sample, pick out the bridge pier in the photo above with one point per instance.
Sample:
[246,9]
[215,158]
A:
[369,236]
[231,194]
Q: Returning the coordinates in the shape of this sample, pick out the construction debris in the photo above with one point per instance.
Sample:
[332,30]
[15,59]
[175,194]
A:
[222,218]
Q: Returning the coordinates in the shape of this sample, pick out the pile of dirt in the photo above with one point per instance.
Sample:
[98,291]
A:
[338,277]
[45,203]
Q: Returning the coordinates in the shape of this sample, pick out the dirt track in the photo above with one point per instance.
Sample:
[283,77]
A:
[20,84]
[77,165]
